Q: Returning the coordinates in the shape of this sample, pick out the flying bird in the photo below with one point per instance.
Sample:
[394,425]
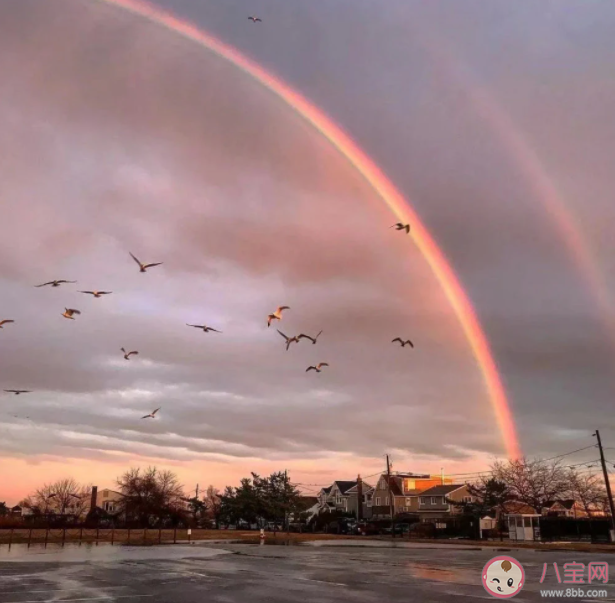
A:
[128,354]
[68,313]
[402,342]
[255,19]
[289,340]
[400,226]
[144,267]
[97,293]
[312,339]
[5,322]
[152,415]
[55,283]
[205,328]
[317,368]
[17,391]
[277,315]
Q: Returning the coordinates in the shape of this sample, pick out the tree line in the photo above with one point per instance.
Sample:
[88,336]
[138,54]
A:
[538,483]
[155,498]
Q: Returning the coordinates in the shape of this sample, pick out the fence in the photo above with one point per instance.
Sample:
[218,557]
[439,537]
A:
[568,528]
[143,536]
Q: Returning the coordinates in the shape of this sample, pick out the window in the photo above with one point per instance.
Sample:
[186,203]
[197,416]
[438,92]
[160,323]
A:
[408,502]
[377,501]
[434,500]
[528,522]
[467,499]
[386,500]
[422,500]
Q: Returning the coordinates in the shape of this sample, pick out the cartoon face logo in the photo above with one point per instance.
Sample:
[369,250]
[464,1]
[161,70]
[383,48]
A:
[503,577]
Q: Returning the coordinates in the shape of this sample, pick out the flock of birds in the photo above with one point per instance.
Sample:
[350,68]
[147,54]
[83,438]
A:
[70,313]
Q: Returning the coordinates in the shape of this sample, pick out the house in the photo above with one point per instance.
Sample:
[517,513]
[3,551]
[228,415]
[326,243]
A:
[342,495]
[16,511]
[367,493]
[564,508]
[108,500]
[404,488]
[436,503]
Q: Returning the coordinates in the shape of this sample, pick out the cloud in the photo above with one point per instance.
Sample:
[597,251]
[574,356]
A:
[120,137]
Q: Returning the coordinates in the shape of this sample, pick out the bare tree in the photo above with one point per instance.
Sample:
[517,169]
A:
[532,481]
[588,489]
[63,497]
[214,504]
[151,496]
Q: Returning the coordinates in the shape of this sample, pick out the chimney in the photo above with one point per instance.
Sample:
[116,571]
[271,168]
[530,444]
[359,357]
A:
[359,498]
[93,498]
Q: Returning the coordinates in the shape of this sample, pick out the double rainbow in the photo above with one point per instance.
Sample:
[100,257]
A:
[438,263]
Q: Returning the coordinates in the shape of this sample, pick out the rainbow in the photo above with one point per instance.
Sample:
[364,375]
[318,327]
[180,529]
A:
[530,164]
[382,186]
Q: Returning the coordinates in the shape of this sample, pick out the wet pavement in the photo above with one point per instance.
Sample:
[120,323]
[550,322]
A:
[241,573]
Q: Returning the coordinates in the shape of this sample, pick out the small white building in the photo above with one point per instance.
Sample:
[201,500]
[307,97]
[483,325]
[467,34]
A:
[523,522]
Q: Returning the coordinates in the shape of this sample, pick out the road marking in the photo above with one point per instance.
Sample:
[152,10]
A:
[87,599]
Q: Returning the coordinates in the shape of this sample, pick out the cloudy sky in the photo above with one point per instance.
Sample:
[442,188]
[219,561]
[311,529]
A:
[116,135]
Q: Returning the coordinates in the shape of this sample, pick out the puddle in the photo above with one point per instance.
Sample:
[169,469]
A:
[102,552]
[438,574]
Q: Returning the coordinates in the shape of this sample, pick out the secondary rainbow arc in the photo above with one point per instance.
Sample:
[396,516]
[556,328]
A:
[435,258]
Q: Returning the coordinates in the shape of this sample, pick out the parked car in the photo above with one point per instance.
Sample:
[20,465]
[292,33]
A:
[398,528]
[365,528]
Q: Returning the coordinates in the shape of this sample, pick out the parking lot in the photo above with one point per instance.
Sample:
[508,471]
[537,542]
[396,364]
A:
[238,573]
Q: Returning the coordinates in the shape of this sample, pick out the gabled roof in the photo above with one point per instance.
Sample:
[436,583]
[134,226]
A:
[441,490]
[344,486]
[327,490]
[366,488]
[394,485]
[518,508]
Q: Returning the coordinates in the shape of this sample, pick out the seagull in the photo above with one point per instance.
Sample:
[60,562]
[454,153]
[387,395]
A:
[255,19]
[317,368]
[128,354]
[312,339]
[17,391]
[54,283]
[403,343]
[144,267]
[97,293]
[5,322]
[289,340]
[68,313]
[400,226]
[205,328]
[152,415]
[277,315]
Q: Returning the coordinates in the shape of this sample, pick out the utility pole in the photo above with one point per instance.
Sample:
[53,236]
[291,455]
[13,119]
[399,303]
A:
[359,498]
[197,492]
[391,500]
[607,483]
[442,475]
